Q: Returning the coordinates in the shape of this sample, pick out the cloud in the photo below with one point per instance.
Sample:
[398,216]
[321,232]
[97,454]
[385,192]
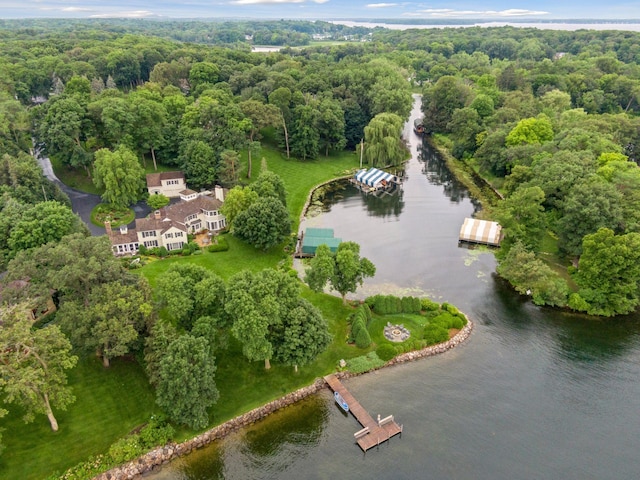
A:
[265,2]
[126,14]
[381,5]
[449,12]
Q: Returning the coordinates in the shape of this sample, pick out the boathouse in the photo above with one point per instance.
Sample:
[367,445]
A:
[375,178]
[480,231]
[312,238]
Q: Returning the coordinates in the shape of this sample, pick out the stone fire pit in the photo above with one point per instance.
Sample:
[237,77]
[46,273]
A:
[396,333]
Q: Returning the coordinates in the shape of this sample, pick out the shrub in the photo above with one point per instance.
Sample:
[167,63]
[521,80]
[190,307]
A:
[142,250]
[449,308]
[362,337]
[156,432]
[221,246]
[435,334]
[126,449]
[162,252]
[386,352]
[429,305]
[364,363]
[411,305]
[356,327]
[367,312]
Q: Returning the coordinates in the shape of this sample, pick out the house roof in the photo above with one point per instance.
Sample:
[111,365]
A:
[181,210]
[163,224]
[155,179]
[373,176]
[118,238]
[480,231]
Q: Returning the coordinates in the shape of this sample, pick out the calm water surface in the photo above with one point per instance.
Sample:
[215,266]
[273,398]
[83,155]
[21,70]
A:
[534,393]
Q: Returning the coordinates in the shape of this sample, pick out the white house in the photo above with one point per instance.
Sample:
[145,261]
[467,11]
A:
[168,227]
[169,184]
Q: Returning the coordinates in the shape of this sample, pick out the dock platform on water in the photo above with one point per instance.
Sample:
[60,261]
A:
[374,432]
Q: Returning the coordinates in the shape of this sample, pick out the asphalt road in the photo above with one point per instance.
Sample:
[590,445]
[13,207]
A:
[83,203]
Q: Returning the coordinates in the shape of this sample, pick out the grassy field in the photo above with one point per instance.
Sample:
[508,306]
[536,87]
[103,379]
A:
[112,402]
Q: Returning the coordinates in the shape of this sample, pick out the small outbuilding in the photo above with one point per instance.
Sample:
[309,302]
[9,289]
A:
[480,231]
[314,237]
[374,178]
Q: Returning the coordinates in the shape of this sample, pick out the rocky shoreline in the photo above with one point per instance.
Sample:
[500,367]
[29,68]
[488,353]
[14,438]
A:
[162,455]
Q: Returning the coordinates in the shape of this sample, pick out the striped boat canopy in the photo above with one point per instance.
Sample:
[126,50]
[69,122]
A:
[373,177]
[480,231]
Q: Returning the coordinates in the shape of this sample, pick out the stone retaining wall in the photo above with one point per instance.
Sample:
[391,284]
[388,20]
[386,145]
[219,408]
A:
[162,455]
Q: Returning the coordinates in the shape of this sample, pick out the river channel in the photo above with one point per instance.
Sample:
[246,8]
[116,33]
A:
[534,393]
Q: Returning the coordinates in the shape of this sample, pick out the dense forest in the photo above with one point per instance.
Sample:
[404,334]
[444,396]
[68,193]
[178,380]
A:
[549,118]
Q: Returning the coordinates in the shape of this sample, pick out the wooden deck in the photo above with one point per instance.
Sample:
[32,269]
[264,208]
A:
[374,432]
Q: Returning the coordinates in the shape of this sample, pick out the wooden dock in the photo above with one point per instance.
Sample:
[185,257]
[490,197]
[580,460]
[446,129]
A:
[374,432]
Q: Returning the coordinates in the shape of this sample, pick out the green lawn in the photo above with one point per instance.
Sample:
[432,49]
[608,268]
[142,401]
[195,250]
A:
[240,256]
[300,177]
[414,323]
[110,403]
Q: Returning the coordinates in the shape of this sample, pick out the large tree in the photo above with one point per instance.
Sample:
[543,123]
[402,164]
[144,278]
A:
[344,270]
[186,386]
[305,334]
[190,291]
[120,174]
[262,115]
[71,267]
[112,322]
[264,224]
[609,272]
[32,365]
[258,304]
[43,223]
[236,201]
[383,145]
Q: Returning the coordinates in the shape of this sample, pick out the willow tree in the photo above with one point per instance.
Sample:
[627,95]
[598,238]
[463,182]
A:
[383,145]
[120,174]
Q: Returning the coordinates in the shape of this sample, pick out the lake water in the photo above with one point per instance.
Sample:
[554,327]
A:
[546,25]
[534,394]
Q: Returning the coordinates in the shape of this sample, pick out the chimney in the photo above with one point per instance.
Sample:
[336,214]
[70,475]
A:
[157,215]
[218,192]
[123,229]
[107,227]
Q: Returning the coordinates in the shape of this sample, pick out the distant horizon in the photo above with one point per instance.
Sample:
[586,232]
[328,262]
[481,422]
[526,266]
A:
[366,10]
[390,20]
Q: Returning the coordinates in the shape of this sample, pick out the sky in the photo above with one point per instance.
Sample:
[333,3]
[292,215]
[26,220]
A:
[322,9]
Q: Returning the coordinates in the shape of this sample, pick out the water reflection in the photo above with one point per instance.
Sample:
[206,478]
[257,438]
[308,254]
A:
[437,172]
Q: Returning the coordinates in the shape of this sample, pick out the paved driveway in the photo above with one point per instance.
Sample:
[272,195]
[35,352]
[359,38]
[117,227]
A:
[83,203]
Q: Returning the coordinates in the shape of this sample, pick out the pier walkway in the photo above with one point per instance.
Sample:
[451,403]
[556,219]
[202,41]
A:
[373,432]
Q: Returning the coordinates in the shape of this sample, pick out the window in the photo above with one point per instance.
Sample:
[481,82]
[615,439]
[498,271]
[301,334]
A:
[192,217]
[151,243]
[168,235]
[172,182]
[148,233]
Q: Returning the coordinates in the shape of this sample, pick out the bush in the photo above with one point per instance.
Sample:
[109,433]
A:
[367,312]
[429,305]
[142,250]
[126,449]
[435,334]
[362,337]
[156,432]
[447,307]
[364,363]
[386,352]
[357,325]
[221,246]
[411,305]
